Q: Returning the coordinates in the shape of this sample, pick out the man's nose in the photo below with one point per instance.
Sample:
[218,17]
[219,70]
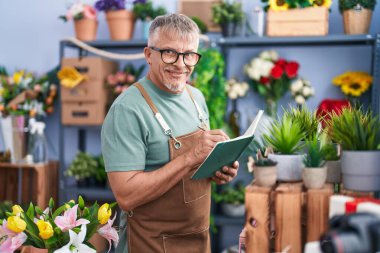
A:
[180,62]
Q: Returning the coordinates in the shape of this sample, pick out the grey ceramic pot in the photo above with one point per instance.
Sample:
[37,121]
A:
[233,210]
[289,167]
[361,170]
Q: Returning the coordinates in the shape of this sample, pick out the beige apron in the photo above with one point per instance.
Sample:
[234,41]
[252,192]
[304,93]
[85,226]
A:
[178,221]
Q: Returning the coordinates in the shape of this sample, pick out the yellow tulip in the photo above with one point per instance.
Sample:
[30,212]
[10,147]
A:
[17,209]
[104,213]
[45,228]
[17,77]
[16,224]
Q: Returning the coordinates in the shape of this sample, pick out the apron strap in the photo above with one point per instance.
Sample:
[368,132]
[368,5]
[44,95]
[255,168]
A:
[203,124]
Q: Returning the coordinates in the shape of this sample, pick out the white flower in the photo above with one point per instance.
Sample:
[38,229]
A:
[265,55]
[76,244]
[296,85]
[232,94]
[273,55]
[300,99]
[76,9]
[306,91]
[266,68]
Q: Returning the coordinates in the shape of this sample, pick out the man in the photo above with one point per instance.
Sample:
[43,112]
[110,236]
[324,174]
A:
[153,138]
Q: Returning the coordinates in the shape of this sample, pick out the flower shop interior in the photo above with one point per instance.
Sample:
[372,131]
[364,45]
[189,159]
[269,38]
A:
[309,180]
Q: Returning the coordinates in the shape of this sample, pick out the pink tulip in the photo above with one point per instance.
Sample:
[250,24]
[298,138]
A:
[111,80]
[69,220]
[89,12]
[118,90]
[13,241]
[109,233]
[121,77]
[131,78]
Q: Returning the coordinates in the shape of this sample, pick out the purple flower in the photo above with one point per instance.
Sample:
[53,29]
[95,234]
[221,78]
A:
[107,5]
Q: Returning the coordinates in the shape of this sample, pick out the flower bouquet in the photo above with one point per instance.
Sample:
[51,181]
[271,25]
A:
[353,84]
[271,77]
[121,80]
[63,230]
[24,94]
[85,20]
[301,91]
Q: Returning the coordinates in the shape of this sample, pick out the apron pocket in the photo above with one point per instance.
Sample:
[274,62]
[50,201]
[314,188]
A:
[195,189]
[196,242]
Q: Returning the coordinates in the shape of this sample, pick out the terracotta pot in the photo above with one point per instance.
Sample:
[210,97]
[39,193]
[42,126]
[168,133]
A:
[265,175]
[357,21]
[120,24]
[333,171]
[314,178]
[86,29]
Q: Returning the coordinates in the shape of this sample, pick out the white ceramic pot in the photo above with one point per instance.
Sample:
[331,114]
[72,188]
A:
[334,171]
[289,167]
[265,175]
[360,170]
[314,178]
[233,210]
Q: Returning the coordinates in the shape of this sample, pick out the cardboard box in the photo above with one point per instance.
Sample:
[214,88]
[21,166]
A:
[94,88]
[78,113]
[201,9]
[312,21]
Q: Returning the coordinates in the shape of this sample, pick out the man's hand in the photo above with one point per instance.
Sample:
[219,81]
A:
[228,174]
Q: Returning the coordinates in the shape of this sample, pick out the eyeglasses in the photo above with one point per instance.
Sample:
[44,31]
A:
[170,56]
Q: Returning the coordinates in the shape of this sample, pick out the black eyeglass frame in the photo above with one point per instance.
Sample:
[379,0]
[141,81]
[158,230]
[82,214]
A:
[178,54]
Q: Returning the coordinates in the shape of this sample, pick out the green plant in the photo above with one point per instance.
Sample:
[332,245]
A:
[261,158]
[208,77]
[307,120]
[146,11]
[225,12]
[285,136]
[201,25]
[101,174]
[5,207]
[231,195]
[355,129]
[83,166]
[330,152]
[352,4]
[314,157]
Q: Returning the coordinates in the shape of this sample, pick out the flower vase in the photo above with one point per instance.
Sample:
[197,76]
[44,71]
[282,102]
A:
[271,108]
[233,120]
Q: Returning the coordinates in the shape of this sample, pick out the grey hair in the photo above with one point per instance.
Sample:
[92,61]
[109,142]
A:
[176,25]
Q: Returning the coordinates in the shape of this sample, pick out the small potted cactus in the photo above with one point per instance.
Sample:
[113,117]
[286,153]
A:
[264,169]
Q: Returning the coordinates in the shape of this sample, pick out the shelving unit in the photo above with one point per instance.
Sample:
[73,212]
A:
[226,44]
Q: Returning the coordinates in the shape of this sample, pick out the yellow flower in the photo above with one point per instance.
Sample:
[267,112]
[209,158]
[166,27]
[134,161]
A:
[17,209]
[16,224]
[70,77]
[322,3]
[17,76]
[278,5]
[104,213]
[45,228]
[354,89]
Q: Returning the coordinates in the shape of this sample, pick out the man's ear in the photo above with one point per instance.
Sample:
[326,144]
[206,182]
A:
[148,54]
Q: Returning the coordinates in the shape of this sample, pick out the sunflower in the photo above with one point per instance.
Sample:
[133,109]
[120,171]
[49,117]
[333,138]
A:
[278,5]
[354,89]
[322,3]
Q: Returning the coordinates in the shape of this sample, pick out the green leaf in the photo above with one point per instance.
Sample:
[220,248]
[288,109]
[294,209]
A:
[32,230]
[59,211]
[30,211]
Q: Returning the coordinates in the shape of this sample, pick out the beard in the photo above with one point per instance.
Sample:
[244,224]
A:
[175,87]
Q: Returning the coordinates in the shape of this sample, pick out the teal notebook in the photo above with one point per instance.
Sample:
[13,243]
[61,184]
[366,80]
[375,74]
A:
[225,153]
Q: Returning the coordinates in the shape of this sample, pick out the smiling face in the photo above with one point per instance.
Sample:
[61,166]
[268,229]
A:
[170,77]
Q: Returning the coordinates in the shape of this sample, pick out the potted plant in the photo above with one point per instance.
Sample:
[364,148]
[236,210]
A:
[314,174]
[120,20]
[358,132]
[270,76]
[144,11]
[83,168]
[264,169]
[306,119]
[333,163]
[85,20]
[100,173]
[285,136]
[201,25]
[228,16]
[232,200]
[357,15]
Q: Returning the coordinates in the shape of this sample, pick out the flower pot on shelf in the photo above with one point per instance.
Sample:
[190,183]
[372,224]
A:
[86,29]
[289,167]
[314,178]
[357,21]
[333,171]
[360,170]
[311,21]
[265,176]
[120,24]
[228,29]
[233,210]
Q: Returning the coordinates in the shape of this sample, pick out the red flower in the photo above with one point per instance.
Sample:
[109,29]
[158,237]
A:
[291,69]
[264,80]
[330,105]
[281,63]
[276,72]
